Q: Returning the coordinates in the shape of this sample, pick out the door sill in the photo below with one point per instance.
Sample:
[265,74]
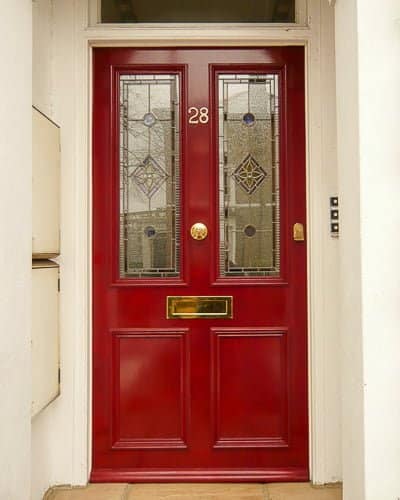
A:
[281,474]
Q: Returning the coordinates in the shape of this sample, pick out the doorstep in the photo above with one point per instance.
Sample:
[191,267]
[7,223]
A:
[196,491]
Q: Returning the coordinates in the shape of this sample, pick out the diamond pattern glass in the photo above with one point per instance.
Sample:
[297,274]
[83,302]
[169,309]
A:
[249,175]
[149,176]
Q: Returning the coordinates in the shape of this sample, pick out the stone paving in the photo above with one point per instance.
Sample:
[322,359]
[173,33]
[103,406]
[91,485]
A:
[194,491]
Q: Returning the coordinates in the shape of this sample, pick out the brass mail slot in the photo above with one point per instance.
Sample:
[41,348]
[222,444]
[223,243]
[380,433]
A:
[199,307]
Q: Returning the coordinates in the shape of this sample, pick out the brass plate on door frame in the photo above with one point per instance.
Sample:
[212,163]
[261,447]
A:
[197,307]
[298,232]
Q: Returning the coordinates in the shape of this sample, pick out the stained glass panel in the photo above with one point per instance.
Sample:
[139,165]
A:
[149,176]
[249,175]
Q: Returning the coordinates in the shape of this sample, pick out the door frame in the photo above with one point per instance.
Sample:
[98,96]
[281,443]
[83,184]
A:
[76,302]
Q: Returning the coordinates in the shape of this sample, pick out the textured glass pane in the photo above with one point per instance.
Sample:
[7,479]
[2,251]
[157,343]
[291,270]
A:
[249,175]
[198,11]
[149,176]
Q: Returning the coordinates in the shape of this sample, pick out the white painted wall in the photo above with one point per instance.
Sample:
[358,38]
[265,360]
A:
[324,348]
[43,55]
[379,108]
[52,429]
[15,248]
[368,83]
[350,248]
[331,333]
[45,349]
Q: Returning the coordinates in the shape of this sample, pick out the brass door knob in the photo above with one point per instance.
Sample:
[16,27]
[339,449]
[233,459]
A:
[199,231]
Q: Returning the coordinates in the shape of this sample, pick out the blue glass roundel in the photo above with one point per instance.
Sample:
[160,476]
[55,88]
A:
[249,119]
[149,231]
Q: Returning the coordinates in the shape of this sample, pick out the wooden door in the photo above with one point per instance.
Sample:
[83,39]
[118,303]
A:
[199,340]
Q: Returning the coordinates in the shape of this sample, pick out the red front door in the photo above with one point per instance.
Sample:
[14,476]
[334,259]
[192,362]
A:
[199,272]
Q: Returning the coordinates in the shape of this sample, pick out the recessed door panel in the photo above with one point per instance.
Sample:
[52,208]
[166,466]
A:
[250,387]
[160,359]
[199,287]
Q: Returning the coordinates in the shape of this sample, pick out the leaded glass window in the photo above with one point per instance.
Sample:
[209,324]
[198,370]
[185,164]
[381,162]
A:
[149,176]
[249,175]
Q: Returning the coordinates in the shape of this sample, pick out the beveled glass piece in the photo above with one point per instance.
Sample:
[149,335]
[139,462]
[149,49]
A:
[149,119]
[249,175]
[249,205]
[197,11]
[149,176]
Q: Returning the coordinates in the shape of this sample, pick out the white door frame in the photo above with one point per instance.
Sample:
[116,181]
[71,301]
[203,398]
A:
[321,154]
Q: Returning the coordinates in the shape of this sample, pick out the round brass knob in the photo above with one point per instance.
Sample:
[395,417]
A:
[199,231]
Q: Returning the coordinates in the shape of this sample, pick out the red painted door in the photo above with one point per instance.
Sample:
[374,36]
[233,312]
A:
[213,386]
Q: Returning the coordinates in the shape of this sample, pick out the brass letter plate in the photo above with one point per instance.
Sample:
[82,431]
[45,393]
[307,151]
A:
[199,307]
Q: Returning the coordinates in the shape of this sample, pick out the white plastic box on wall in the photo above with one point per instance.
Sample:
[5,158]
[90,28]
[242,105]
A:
[45,187]
[45,339]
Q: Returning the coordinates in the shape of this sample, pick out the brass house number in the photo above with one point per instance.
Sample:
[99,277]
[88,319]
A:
[198,115]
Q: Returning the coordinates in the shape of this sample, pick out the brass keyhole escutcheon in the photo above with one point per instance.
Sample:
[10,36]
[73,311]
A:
[199,231]
[298,232]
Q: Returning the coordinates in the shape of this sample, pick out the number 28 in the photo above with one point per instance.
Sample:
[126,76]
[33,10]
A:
[198,115]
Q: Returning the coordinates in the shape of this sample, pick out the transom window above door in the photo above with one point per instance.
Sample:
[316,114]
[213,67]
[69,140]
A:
[198,11]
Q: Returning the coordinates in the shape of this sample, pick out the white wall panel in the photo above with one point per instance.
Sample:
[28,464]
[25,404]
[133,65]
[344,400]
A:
[15,247]
[45,338]
[368,83]
[379,107]
[51,428]
[350,249]
[46,186]
[43,50]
